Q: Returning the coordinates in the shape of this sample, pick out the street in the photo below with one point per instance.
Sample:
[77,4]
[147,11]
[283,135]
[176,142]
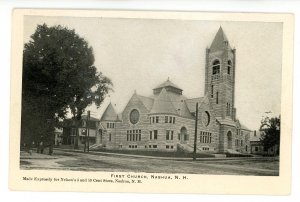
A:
[77,161]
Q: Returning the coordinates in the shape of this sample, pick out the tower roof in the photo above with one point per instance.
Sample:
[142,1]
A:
[167,83]
[218,42]
[169,86]
[163,104]
[109,114]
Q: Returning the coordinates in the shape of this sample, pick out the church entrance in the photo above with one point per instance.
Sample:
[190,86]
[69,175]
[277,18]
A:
[183,135]
[229,140]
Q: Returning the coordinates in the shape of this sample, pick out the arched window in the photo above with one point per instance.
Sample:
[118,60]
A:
[216,67]
[229,66]
[217,98]
[183,134]
[229,140]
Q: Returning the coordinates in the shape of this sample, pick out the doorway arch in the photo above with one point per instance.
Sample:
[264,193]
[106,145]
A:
[183,135]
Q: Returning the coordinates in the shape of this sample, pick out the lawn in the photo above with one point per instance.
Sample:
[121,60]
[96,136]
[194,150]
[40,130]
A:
[159,153]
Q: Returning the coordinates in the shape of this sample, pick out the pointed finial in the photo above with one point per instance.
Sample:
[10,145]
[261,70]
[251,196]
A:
[168,78]
[134,91]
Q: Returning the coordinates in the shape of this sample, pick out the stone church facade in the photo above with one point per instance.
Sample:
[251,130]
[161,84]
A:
[165,121]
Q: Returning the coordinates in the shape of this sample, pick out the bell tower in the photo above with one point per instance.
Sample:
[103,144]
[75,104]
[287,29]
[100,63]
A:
[220,76]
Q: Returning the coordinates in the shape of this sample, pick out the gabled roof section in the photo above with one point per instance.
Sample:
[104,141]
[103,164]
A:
[163,104]
[109,114]
[191,103]
[147,101]
[184,111]
[219,41]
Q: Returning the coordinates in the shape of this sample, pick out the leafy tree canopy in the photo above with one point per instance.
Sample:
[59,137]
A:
[270,128]
[58,74]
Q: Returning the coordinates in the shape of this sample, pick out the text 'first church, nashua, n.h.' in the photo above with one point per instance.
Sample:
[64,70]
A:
[165,121]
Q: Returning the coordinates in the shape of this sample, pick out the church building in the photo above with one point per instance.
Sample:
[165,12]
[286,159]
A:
[166,120]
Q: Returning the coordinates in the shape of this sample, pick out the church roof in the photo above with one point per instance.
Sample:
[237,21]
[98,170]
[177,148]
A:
[218,42]
[226,121]
[163,101]
[184,111]
[176,99]
[167,83]
[191,103]
[147,101]
[163,104]
[109,114]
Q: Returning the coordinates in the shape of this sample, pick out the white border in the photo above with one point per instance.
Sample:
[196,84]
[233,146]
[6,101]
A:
[247,6]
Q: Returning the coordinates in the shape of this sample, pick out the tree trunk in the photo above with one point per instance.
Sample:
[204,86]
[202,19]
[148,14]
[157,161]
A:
[77,136]
[37,146]
[51,143]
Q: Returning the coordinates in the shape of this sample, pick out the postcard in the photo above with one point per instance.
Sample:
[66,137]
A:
[151,101]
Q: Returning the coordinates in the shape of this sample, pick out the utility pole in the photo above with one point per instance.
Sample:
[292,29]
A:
[85,136]
[88,131]
[195,138]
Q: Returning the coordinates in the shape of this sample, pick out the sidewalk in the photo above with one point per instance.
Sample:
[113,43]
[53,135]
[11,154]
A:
[159,157]
[34,155]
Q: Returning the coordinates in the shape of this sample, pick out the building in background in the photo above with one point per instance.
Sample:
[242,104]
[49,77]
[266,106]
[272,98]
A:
[69,131]
[257,146]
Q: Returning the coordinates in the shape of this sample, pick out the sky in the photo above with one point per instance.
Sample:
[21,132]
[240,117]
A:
[139,54]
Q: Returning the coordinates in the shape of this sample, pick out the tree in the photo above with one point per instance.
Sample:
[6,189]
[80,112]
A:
[86,95]
[270,128]
[58,74]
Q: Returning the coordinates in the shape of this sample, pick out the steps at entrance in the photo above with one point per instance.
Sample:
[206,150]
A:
[96,146]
